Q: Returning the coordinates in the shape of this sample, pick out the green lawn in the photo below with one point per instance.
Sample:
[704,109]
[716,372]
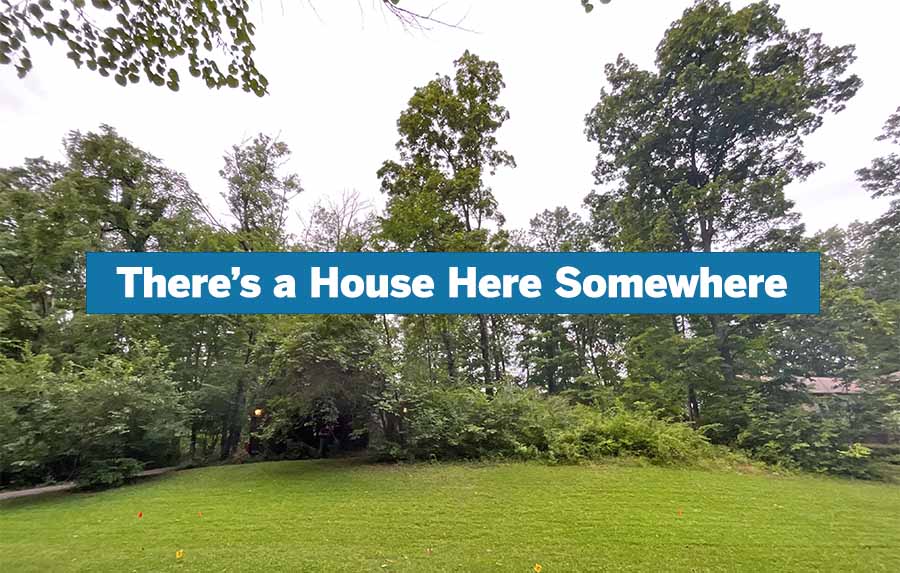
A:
[349,516]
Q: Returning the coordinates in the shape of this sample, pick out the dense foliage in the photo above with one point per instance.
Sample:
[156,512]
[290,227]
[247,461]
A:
[140,39]
[694,154]
[131,39]
[463,423]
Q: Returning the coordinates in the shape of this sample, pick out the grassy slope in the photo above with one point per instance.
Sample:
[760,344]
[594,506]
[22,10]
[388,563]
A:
[346,516]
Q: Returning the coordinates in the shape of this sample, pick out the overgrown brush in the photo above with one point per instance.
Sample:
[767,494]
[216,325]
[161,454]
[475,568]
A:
[464,423]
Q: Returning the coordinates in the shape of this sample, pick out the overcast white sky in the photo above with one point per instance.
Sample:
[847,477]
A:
[340,72]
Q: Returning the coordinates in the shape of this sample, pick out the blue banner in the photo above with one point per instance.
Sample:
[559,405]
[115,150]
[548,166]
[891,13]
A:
[453,283]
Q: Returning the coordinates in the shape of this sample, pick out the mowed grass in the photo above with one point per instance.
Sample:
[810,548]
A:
[350,516]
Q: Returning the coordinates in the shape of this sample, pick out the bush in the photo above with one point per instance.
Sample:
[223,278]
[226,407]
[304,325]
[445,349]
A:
[54,423]
[101,474]
[464,423]
[815,440]
[623,433]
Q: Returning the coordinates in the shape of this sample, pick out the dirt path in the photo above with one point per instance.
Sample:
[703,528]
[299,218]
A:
[66,486]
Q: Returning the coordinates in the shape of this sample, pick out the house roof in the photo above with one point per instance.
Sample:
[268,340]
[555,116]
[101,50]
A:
[828,386]
[824,385]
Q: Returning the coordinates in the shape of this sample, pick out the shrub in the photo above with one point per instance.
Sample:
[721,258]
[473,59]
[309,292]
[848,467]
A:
[54,423]
[464,423]
[623,433]
[798,437]
[101,474]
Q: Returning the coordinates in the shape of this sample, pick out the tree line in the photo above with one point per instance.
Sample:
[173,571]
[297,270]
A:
[693,154]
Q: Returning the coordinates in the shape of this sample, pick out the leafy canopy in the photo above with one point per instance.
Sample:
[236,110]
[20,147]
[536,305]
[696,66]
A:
[128,39]
[701,147]
[882,177]
[437,196]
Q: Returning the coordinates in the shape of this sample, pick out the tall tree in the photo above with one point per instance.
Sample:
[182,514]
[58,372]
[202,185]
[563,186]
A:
[447,146]
[697,151]
[701,148]
[881,261]
[547,347]
[558,230]
[258,194]
[43,233]
[108,194]
[258,197]
[882,179]
[438,199]
[132,192]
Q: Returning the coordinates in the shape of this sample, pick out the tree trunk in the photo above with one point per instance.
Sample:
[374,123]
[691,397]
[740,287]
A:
[720,328]
[387,331]
[223,444]
[429,348]
[499,357]
[236,421]
[448,350]
[237,417]
[485,353]
[693,405]
[552,382]
[193,449]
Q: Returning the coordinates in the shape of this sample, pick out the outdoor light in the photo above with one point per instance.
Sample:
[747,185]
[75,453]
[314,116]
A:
[258,412]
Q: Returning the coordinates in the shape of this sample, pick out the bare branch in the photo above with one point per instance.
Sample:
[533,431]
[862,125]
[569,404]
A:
[412,20]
